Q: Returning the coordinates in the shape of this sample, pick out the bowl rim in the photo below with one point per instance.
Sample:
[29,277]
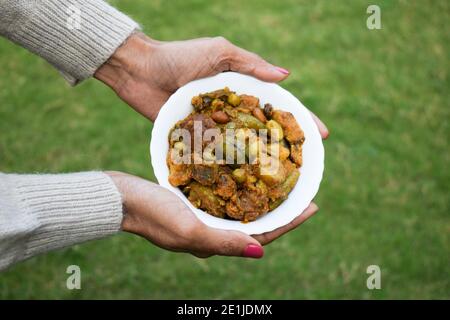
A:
[160,132]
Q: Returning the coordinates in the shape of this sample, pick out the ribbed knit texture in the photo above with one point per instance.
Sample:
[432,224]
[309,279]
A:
[45,27]
[39,213]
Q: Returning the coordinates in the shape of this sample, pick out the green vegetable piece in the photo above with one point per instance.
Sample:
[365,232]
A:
[290,182]
[286,188]
[249,121]
[234,99]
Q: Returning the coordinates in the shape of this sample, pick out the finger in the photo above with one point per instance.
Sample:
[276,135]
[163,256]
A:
[227,243]
[246,62]
[268,237]
[322,127]
[233,58]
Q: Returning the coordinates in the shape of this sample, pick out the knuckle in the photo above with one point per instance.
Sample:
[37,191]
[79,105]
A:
[227,247]
[223,51]
[221,41]
[191,232]
[257,58]
[187,237]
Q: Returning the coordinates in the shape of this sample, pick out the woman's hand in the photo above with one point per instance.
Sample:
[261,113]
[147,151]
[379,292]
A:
[162,218]
[145,72]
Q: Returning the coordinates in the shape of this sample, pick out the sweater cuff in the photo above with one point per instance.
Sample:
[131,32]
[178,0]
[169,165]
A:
[75,36]
[67,208]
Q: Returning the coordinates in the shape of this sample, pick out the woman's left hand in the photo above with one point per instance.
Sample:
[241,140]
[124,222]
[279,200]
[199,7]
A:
[145,72]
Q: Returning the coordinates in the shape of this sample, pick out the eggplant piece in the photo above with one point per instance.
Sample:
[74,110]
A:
[205,174]
[268,110]
[296,154]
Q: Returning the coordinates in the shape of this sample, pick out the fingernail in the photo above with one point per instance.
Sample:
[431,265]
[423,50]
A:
[253,251]
[282,70]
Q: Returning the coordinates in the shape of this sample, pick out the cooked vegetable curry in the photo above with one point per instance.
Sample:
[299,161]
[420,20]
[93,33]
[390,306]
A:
[219,183]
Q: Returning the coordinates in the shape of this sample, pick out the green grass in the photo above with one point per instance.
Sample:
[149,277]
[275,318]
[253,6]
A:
[385,195]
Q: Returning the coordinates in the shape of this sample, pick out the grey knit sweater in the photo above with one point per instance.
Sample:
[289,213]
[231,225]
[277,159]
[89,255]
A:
[39,213]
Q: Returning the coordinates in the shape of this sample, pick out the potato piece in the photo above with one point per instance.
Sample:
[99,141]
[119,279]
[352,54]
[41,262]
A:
[255,148]
[251,179]
[284,153]
[275,130]
[279,150]
[226,149]
[273,174]
[234,99]
[240,175]
[291,129]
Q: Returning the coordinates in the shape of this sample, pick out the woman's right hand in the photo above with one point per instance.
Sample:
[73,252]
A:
[158,215]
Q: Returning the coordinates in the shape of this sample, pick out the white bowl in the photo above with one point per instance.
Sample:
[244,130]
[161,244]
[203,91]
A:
[179,106]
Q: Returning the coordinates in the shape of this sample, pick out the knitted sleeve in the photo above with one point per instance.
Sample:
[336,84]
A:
[39,213]
[75,36]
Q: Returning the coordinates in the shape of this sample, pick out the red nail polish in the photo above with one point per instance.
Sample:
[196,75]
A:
[253,251]
[282,70]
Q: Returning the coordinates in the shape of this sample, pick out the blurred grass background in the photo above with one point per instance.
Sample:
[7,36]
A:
[385,196]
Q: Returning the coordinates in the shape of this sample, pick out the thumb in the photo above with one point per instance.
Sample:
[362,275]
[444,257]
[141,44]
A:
[230,243]
[249,63]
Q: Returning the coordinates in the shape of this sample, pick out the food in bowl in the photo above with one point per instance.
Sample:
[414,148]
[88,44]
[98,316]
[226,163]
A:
[234,159]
